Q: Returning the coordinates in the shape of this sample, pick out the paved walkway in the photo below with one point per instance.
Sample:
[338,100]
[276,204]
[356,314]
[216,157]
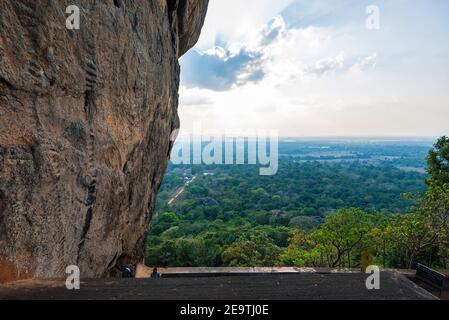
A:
[300,286]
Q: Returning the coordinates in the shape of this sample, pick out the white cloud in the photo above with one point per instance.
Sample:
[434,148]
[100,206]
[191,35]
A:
[236,20]
[313,80]
[366,63]
[329,64]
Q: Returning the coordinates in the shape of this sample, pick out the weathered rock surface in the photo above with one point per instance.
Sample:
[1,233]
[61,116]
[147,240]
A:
[85,123]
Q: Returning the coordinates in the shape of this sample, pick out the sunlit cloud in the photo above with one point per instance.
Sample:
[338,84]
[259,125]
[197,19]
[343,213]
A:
[319,71]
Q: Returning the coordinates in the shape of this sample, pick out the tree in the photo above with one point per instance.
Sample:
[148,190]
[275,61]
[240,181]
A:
[182,252]
[438,162]
[427,227]
[252,250]
[197,190]
[163,222]
[382,241]
[342,234]
[299,250]
[426,230]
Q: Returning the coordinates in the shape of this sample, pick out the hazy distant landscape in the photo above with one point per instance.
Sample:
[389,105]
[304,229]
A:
[401,153]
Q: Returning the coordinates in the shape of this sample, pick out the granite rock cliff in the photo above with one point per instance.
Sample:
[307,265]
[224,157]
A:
[85,123]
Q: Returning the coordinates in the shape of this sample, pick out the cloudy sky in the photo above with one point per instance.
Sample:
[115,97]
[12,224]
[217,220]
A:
[314,68]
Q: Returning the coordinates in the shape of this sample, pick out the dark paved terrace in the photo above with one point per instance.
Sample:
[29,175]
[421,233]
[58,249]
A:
[293,286]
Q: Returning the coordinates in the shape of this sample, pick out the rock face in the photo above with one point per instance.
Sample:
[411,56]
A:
[85,123]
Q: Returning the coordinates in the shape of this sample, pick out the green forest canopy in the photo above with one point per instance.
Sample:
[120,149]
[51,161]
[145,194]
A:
[317,214]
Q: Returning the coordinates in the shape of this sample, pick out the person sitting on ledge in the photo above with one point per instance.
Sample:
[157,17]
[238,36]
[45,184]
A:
[155,274]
